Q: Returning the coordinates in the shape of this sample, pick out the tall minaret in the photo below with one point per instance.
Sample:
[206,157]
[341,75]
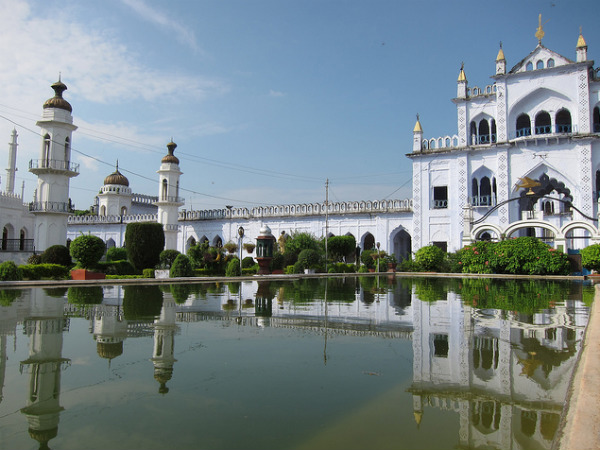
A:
[54,170]
[12,163]
[500,62]
[417,136]
[168,196]
[461,88]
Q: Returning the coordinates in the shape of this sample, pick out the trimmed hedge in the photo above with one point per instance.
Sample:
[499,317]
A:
[144,242]
[56,254]
[10,272]
[116,268]
[44,271]
[116,254]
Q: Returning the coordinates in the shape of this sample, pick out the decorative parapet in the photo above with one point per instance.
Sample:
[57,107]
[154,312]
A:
[143,199]
[300,210]
[10,198]
[55,207]
[440,143]
[476,91]
[98,220]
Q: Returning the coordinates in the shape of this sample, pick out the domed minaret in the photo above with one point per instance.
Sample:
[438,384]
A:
[500,62]
[115,196]
[54,170]
[168,196]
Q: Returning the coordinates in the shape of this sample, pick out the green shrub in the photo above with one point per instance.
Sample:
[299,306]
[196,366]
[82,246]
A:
[302,241]
[340,247]
[34,259]
[87,250]
[363,269]
[430,258]
[57,254]
[167,257]
[148,273]
[590,257]
[247,262]
[181,267]
[88,295]
[408,265]
[309,258]
[44,271]
[144,241]
[367,259]
[116,254]
[233,268]
[116,268]
[10,272]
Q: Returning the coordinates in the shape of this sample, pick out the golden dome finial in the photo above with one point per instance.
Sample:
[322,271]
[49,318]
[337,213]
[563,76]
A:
[418,128]
[581,41]
[500,56]
[539,33]
[461,75]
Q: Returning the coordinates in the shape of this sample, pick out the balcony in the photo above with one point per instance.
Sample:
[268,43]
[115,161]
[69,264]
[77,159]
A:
[53,165]
[17,245]
[56,207]
[171,199]
[483,200]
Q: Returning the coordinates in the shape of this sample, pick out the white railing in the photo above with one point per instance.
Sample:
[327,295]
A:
[54,164]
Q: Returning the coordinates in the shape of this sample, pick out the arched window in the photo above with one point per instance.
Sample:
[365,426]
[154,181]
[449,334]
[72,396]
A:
[550,63]
[529,66]
[103,210]
[563,121]
[493,134]
[596,119]
[46,156]
[164,189]
[484,132]
[523,125]
[67,153]
[542,123]
[475,191]
[22,240]
[485,192]
[539,64]
[123,210]
[4,238]
[473,129]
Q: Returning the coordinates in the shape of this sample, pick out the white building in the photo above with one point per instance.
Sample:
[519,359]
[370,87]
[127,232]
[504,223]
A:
[525,160]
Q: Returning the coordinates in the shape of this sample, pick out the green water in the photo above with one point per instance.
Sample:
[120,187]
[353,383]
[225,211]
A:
[349,364]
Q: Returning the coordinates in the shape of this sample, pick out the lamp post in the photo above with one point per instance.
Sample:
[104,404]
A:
[241,239]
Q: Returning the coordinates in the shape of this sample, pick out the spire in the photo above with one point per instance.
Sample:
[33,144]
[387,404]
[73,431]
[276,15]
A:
[461,75]
[581,48]
[539,32]
[500,56]
[58,101]
[417,128]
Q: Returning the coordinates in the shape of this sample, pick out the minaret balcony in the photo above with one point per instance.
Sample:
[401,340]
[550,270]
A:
[54,207]
[39,166]
[170,199]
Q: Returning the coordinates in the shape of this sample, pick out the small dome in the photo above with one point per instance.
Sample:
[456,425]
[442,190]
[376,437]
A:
[58,101]
[170,158]
[116,178]
[109,350]
[265,230]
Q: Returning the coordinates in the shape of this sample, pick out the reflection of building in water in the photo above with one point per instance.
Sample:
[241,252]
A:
[505,373]
[109,329]
[44,327]
[164,344]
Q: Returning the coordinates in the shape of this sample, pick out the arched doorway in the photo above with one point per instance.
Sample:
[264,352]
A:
[401,245]
[368,242]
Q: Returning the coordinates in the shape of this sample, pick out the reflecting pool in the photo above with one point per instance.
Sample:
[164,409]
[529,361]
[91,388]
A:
[342,363]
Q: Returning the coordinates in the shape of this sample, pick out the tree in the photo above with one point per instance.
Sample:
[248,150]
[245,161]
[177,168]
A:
[590,257]
[339,247]
[167,258]
[430,258]
[87,250]
[144,241]
[181,267]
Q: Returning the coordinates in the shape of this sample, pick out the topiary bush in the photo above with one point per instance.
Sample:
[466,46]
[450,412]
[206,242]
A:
[182,267]
[309,259]
[144,241]
[167,257]
[590,257]
[233,268]
[430,258]
[116,254]
[10,272]
[87,250]
[366,257]
[56,254]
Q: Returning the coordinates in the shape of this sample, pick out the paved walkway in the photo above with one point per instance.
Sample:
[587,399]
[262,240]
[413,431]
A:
[580,428]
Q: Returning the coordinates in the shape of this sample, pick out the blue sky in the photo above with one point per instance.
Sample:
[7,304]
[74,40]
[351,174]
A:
[266,99]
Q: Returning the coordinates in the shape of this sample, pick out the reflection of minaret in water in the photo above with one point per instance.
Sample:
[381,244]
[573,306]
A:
[44,327]
[164,344]
[3,359]
[110,330]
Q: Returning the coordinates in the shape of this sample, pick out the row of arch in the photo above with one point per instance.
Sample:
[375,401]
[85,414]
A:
[540,64]
[441,142]
[543,123]
[12,244]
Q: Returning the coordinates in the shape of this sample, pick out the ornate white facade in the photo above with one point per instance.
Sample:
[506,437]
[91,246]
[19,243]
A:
[525,160]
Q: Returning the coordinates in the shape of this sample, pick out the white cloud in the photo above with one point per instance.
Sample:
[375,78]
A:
[273,93]
[159,18]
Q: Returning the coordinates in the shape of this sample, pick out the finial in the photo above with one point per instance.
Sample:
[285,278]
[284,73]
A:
[59,74]
[417,117]
[462,65]
[117,167]
[539,33]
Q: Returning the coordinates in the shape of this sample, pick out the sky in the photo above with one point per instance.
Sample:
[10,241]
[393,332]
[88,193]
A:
[266,99]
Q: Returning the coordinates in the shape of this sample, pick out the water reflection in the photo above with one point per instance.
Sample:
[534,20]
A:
[497,354]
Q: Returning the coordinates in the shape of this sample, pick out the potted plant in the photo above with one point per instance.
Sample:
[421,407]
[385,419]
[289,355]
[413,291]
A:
[249,247]
[231,247]
[391,262]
